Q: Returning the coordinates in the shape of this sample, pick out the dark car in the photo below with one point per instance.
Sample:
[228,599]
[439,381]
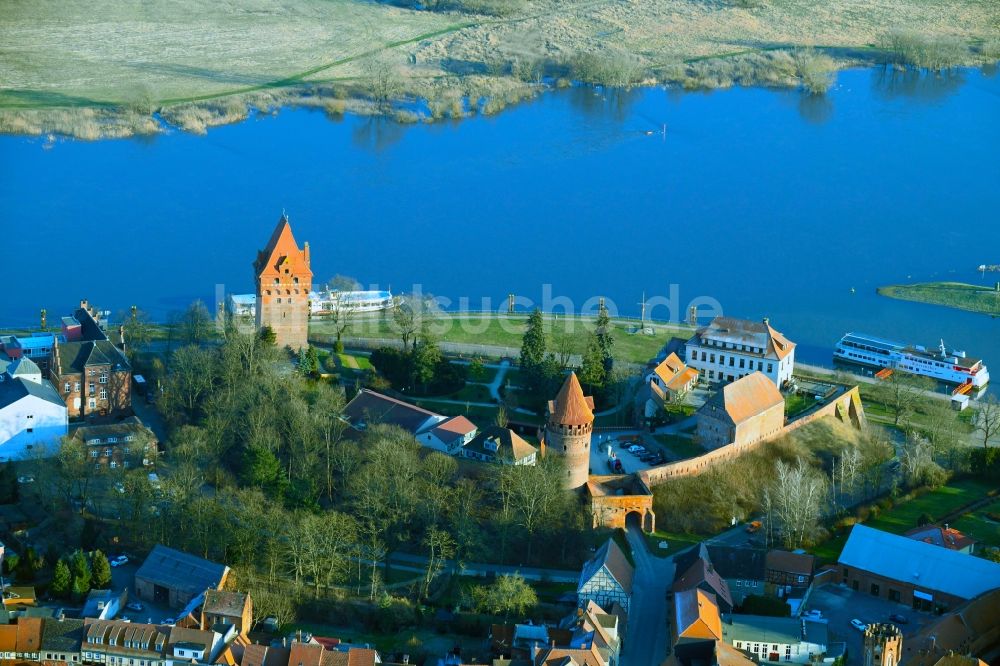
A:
[898,619]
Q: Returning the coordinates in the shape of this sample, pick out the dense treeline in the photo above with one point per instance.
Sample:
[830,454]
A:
[261,472]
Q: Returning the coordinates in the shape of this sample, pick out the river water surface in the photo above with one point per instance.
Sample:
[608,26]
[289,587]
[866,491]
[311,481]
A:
[772,202]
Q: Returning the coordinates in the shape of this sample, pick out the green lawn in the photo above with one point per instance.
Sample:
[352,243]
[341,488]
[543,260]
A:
[978,526]
[472,393]
[958,295]
[676,542]
[796,403]
[354,362]
[503,331]
[938,503]
[683,447]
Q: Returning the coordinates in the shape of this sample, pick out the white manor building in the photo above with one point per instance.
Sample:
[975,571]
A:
[729,349]
[33,416]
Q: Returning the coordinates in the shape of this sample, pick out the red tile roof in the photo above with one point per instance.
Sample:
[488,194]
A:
[571,407]
[949,537]
[282,252]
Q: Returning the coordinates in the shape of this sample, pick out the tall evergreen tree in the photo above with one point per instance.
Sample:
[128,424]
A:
[593,372]
[605,338]
[62,579]
[533,350]
[101,570]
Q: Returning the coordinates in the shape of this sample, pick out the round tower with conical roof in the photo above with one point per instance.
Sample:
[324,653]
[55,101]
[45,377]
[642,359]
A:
[568,428]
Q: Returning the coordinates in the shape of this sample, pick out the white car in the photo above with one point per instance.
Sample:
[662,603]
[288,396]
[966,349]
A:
[119,561]
[813,615]
[858,624]
[120,487]
[26,479]
[635,448]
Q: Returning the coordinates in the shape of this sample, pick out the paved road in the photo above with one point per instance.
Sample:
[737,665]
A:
[647,637]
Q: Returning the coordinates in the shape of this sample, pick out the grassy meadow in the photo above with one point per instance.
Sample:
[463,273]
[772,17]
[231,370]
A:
[974,298]
[101,69]
[503,331]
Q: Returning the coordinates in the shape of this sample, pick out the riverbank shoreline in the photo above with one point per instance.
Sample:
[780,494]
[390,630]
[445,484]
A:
[956,295]
[416,65]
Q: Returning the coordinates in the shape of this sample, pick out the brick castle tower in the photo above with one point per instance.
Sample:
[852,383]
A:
[568,428]
[284,280]
[883,645]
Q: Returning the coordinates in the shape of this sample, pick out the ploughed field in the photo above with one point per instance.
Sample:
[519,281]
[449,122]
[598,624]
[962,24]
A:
[100,69]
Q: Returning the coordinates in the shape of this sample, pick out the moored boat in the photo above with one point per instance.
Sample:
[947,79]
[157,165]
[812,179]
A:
[947,365]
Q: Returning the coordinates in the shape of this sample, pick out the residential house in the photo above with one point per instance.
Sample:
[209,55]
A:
[945,537]
[436,431]
[28,641]
[449,436]
[745,412]
[912,572]
[776,639]
[62,639]
[90,371]
[502,445]
[593,627]
[564,656]
[728,349]
[694,570]
[790,569]
[174,578]
[123,643]
[103,604]
[667,382]
[607,578]
[33,417]
[224,607]
[319,651]
[743,569]
[124,444]
[36,346]
[696,628]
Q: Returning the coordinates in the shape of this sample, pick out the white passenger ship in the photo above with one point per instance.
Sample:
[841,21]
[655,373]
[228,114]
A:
[942,364]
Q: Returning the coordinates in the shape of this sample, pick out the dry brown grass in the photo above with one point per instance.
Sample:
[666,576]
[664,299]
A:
[124,58]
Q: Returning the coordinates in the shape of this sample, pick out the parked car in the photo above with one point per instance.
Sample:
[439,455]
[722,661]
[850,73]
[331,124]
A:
[169,620]
[120,487]
[135,606]
[119,560]
[858,624]
[898,619]
[27,478]
[635,448]
[753,526]
[813,614]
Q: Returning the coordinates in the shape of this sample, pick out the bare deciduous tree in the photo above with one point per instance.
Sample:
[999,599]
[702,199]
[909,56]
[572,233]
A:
[795,499]
[987,419]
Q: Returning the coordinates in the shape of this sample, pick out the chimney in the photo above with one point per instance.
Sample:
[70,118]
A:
[305,253]
[83,304]
[767,321]
[946,527]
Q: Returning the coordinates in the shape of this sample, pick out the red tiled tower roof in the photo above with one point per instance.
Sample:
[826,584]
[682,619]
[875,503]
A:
[282,252]
[571,407]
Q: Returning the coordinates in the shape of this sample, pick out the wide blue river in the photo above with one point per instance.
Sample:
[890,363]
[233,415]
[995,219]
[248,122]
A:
[770,202]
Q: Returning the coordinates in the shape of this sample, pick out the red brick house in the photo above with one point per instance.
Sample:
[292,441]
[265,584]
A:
[88,370]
